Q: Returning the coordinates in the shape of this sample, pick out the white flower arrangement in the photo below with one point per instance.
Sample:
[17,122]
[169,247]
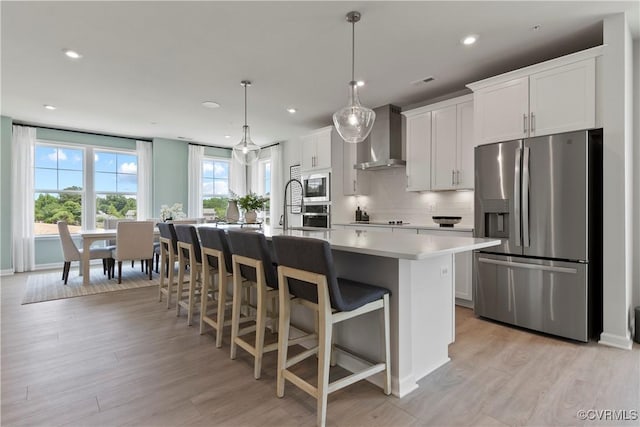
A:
[173,212]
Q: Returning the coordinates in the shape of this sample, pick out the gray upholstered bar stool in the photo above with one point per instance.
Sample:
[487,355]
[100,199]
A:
[306,273]
[216,261]
[189,256]
[168,258]
[252,262]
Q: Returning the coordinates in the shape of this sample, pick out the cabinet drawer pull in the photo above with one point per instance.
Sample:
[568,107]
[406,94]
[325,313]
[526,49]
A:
[453,177]
[524,123]
[458,177]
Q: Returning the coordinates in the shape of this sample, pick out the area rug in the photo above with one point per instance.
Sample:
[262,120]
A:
[50,286]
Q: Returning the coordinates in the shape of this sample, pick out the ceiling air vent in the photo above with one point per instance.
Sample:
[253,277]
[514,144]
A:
[423,80]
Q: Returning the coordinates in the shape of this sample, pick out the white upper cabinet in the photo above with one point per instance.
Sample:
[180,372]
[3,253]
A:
[418,151]
[316,150]
[563,98]
[465,146]
[440,143]
[502,111]
[443,148]
[552,97]
[354,182]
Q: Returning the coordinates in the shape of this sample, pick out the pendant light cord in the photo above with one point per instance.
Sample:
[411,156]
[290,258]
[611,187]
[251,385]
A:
[245,104]
[353,51]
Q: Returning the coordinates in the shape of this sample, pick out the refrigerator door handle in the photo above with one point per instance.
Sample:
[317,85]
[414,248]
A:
[528,266]
[525,198]
[516,197]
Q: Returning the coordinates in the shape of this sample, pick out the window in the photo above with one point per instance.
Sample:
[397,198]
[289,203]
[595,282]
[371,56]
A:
[215,186]
[264,184]
[69,186]
[116,185]
[59,189]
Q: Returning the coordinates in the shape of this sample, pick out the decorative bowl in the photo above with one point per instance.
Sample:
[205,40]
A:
[446,221]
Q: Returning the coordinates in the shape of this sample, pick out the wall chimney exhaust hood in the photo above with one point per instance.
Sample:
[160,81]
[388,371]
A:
[383,147]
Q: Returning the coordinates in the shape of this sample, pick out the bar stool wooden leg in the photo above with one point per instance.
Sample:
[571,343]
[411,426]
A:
[194,278]
[283,334]
[207,279]
[171,268]
[387,346]
[324,352]
[181,269]
[162,272]
[222,302]
[235,308]
[261,316]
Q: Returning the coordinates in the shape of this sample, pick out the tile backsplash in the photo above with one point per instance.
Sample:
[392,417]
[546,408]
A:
[389,200]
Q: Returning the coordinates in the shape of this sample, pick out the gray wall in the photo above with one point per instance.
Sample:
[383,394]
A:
[5,194]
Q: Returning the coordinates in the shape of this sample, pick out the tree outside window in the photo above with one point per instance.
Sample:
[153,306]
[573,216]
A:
[215,186]
[116,185]
[58,183]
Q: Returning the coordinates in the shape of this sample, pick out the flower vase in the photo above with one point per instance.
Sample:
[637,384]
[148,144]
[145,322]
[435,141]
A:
[232,214]
[250,217]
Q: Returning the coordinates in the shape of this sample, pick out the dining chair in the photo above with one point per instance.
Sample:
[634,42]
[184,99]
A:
[71,252]
[189,256]
[306,275]
[216,263]
[168,257]
[134,241]
[252,262]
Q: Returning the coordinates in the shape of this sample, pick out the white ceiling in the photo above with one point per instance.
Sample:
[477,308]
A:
[148,66]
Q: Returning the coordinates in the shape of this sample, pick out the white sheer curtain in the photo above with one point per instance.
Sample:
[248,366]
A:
[145,162]
[277,184]
[22,205]
[196,155]
[238,178]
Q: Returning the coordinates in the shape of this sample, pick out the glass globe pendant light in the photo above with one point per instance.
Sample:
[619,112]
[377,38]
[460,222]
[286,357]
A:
[246,151]
[354,122]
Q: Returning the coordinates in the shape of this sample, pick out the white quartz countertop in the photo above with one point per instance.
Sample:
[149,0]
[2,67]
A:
[433,226]
[397,245]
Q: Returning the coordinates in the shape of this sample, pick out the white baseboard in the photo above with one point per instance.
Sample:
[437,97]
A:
[464,303]
[616,341]
[7,272]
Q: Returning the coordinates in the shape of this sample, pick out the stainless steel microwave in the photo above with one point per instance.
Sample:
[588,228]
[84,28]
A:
[317,187]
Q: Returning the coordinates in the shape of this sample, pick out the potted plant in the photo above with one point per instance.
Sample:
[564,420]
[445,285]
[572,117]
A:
[250,204]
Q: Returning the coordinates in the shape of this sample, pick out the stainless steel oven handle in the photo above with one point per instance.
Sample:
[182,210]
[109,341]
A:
[529,266]
[516,197]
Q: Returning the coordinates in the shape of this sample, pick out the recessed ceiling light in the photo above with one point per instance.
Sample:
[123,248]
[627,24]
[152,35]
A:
[469,40]
[49,107]
[360,83]
[291,110]
[536,27]
[227,136]
[210,104]
[72,54]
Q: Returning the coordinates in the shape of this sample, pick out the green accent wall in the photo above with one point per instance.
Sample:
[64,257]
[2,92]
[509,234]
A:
[6,132]
[85,139]
[170,168]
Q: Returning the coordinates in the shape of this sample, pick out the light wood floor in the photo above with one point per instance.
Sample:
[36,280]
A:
[123,359]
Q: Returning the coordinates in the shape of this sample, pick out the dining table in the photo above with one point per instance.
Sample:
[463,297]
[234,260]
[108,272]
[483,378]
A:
[90,236]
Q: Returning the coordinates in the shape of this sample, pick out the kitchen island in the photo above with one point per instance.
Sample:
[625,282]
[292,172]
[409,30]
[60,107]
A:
[418,270]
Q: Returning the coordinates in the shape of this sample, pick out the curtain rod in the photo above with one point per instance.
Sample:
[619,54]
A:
[230,148]
[22,123]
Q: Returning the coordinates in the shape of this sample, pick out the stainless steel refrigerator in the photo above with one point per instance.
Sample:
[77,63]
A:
[542,197]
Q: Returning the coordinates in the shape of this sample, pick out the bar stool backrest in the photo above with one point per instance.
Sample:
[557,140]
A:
[253,245]
[188,234]
[168,231]
[308,254]
[216,238]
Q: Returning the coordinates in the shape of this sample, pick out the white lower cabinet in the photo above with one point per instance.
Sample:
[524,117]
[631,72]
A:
[463,270]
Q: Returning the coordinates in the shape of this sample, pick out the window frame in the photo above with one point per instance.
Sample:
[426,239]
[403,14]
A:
[89,194]
[202,179]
